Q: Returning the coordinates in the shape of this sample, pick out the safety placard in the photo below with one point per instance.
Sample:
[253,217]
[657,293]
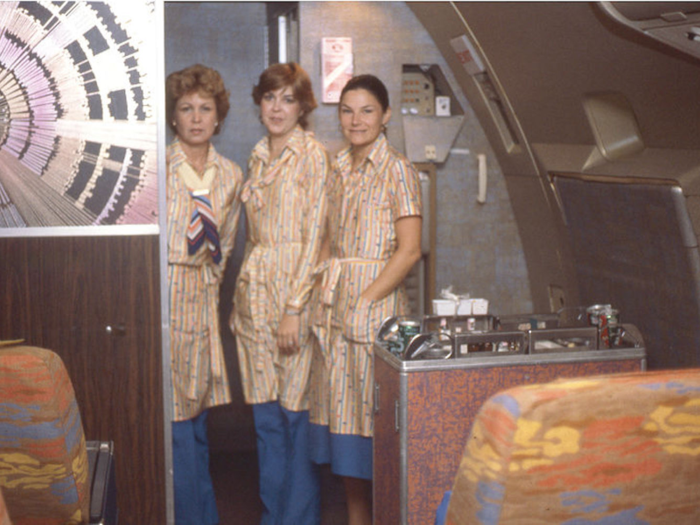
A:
[337,67]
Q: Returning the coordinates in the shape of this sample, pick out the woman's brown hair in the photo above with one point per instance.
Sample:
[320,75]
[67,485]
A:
[292,74]
[197,78]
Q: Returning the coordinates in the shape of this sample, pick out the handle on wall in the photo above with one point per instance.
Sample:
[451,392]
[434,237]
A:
[481,195]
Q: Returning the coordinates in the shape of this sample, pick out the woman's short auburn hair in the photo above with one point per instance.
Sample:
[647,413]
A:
[196,79]
[291,74]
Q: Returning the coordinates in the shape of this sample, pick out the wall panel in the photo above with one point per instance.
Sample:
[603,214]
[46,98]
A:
[96,302]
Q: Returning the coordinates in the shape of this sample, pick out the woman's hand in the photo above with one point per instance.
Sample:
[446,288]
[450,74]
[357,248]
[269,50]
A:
[288,334]
[408,252]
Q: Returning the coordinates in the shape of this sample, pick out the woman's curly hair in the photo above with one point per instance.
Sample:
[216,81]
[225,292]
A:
[196,79]
[292,74]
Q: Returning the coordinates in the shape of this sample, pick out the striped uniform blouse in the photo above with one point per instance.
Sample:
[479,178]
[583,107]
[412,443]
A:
[367,203]
[285,202]
[198,371]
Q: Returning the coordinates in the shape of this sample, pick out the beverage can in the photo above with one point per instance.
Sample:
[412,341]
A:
[408,328]
[606,319]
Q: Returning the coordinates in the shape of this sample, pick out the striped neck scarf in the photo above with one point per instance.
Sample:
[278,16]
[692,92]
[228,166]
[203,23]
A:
[203,226]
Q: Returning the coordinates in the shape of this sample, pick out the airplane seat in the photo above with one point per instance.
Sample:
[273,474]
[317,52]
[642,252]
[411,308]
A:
[4,518]
[608,449]
[46,475]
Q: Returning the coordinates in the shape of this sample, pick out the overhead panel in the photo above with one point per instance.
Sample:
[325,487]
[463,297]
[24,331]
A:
[674,23]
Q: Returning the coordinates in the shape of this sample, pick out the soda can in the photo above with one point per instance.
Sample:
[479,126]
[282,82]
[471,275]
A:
[606,318]
[408,328]
[614,328]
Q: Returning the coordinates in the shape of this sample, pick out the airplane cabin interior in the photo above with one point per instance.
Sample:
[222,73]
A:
[558,149]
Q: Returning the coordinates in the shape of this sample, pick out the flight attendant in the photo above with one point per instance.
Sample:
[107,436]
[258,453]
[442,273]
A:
[374,234]
[203,209]
[285,204]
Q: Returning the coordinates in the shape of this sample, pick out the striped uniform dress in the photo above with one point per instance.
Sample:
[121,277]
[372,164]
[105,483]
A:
[285,202]
[366,204]
[198,371]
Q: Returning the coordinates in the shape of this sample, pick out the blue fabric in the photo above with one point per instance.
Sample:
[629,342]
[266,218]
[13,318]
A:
[289,482]
[195,502]
[441,514]
[349,455]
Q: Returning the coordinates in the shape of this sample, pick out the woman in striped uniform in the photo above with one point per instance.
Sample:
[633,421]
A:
[285,204]
[203,208]
[374,237]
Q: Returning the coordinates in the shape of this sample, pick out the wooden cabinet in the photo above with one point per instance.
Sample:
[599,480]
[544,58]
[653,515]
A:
[96,302]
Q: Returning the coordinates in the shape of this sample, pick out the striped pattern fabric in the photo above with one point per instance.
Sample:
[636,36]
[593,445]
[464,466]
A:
[366,204]
[199,376]
[621,449]
[43,459]
[203,227]
[286,206]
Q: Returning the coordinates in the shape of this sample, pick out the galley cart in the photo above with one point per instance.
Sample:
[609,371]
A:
[424,410]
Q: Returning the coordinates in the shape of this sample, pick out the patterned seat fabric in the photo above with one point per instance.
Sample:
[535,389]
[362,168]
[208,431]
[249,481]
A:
[622,449]
[43,459]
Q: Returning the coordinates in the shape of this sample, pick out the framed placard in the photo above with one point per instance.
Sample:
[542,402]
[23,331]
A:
[337,67]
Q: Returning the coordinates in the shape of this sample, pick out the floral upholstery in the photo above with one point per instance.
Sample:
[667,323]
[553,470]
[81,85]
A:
[621,449]
[43,459]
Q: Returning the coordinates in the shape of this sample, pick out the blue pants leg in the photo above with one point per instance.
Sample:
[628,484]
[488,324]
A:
[271,445]
[303,482]
[195,502]
[289,481]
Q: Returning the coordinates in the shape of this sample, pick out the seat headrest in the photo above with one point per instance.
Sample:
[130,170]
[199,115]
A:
[43,459]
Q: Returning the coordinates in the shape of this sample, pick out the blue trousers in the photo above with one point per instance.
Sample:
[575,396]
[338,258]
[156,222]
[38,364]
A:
[289,482]
[441,514]
[349,455]
[195,502]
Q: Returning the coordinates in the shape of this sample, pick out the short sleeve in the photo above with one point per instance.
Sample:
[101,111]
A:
[407,189]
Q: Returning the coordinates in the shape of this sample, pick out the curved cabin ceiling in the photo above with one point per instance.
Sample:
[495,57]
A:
[548,55]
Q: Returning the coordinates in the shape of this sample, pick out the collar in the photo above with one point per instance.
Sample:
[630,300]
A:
[378,156]
[295,143]
[175,156]
[192,179]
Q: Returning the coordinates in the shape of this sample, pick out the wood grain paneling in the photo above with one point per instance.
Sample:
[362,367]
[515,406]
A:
[96,302]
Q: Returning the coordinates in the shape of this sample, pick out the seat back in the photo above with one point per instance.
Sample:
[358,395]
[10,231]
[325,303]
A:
[43,458]
[4,518]
[607,449]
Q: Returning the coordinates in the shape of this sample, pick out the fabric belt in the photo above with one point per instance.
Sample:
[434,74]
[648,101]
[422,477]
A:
[332,268]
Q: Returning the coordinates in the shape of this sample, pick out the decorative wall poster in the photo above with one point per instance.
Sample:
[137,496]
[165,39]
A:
[78,136]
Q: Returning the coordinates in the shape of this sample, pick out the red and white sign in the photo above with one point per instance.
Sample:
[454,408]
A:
[337,67]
